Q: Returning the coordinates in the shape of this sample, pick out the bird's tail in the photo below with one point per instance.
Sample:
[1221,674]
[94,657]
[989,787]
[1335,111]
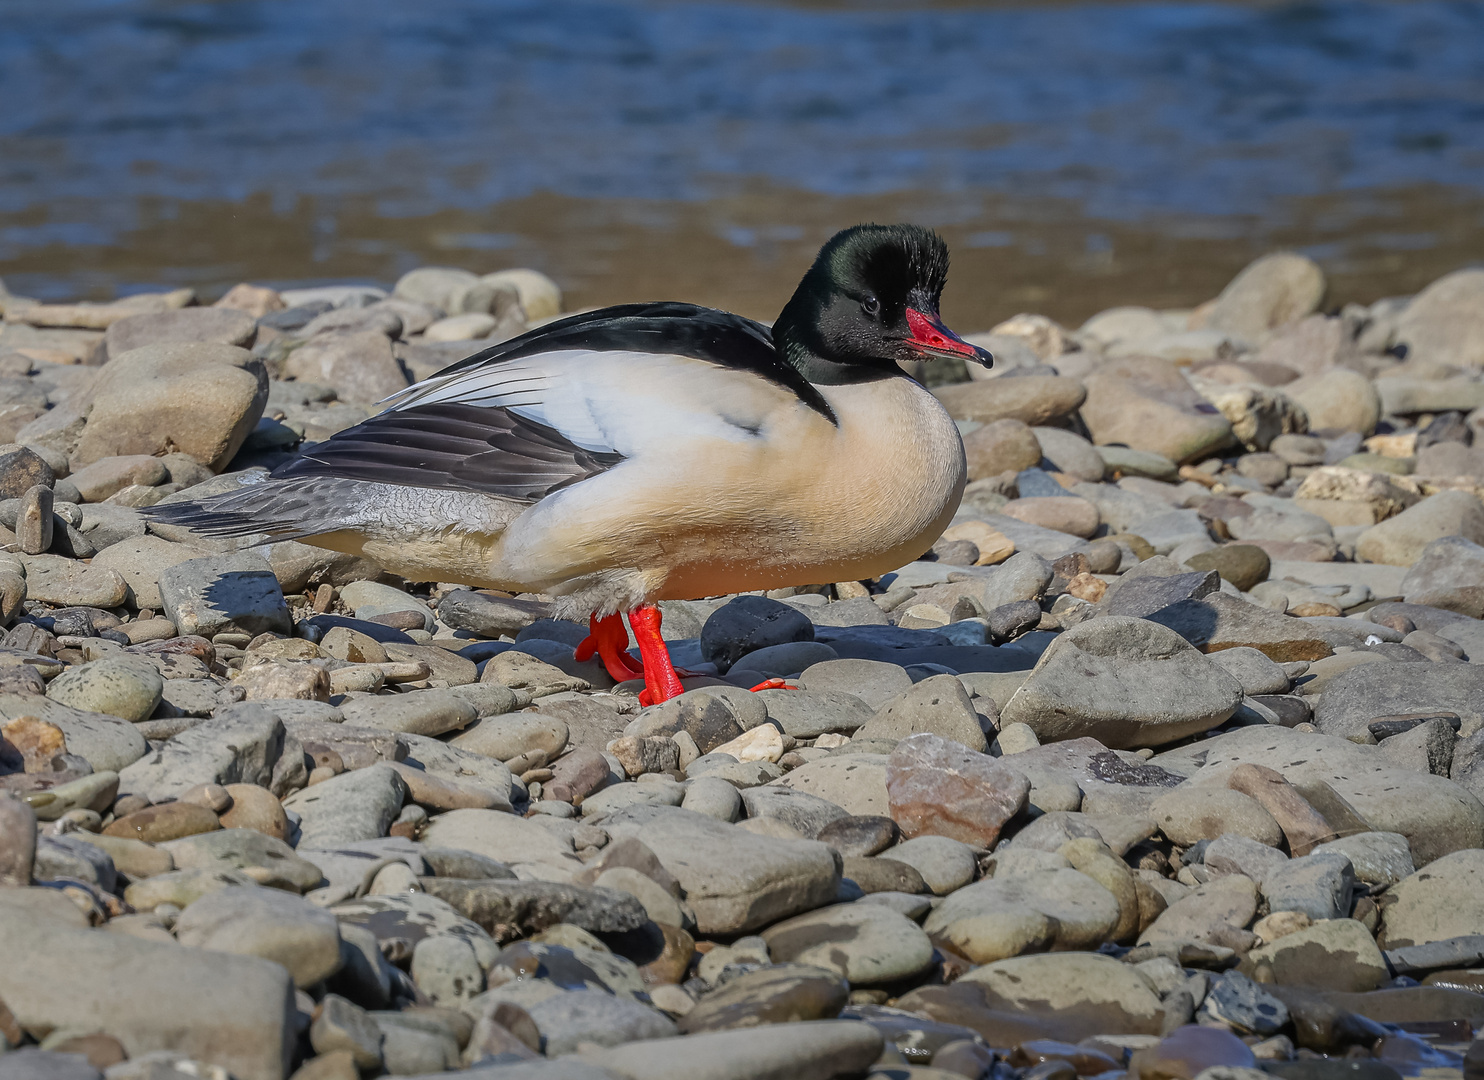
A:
[275,509]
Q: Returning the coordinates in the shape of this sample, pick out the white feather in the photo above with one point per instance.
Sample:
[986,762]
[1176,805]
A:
[616,402]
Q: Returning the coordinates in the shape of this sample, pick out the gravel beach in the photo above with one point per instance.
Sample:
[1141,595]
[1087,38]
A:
[1166,762]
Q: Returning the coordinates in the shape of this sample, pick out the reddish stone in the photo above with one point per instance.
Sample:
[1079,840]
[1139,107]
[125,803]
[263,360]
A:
[938,787]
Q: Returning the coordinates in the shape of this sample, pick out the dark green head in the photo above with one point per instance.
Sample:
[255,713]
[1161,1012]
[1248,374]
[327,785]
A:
[869,303]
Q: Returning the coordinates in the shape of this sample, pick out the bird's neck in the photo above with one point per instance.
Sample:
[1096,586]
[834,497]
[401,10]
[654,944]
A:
[800,345]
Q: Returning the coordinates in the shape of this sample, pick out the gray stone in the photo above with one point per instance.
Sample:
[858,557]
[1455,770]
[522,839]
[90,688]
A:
[813,1050]
[1084,912]
[1250,667]
[568,1021]
[517,842]
[267,860]
[1127,681]
[856,782]
[869,944]
[1068,453]
[107,743]
[1427,747]
[343,1025]
[447,970]
[412,918]
[806,814]
[1401,540]
[529,907]
[787,660]
[870,681]
[1139,597]
[236,591]
[1449,573]
[420,712]
[1444,899]
[70,857]
[151,995]
[713,797]
[1232,853]
[944,863]
[1443,325]
[126,687]
[1240,1003]
[807,714]
[269,923]
[1318,885]
[734,880]
[1377,858]
[357,805]
[938,705]
[1356,697]
[241,745]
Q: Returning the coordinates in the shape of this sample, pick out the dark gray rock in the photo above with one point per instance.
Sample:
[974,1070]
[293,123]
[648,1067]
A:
[749,623]
[1236,1000]
[1143,596]
[1008,621]
[489,616]
[232,591]
[510,909]
[805,813]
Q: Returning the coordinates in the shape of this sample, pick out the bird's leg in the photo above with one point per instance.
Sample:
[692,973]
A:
[661,682]
[610,641]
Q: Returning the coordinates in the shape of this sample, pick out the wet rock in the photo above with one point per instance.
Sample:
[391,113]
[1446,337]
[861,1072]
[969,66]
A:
[1189,1051]
[1089,988]
[1162,689]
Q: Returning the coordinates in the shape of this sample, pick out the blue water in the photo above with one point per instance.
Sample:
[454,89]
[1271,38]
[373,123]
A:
[115,110]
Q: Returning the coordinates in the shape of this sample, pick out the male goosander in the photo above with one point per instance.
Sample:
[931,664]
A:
[652,451]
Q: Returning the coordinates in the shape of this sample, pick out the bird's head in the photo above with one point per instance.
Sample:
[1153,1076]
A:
[869,303]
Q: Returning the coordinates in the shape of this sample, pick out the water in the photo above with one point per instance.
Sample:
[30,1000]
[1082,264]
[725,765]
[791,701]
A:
[1074,155]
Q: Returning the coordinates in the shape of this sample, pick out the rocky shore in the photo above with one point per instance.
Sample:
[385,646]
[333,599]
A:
[1167,762]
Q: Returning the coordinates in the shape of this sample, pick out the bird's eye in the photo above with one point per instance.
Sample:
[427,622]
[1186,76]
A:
[871,306]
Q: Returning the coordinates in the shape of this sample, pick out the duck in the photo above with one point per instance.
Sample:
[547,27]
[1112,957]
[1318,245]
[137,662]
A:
[651,451]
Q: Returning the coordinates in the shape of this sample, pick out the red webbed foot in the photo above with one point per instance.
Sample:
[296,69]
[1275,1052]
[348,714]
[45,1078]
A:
[610,641]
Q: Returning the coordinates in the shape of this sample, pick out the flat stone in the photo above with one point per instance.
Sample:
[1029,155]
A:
[734,881]
[1197,812]
[358,805]
[1087,987]
[414,917]
[242,745]
[1031,399]
[1335,955]
[510,908]
[1209,911]
[869,944]
[1083,912]
[584,1018]
[1401,540]
[1377,858]
[939,787]
[806,814]
[1220,622]
[514,841]
[815,1050]
[106,742]
[228,592]
[870,681]
[53,579]
[938,705]
[1358,696]
[1442,900]
[771,995]
[265,859]
[1163,689]
[1447,574]
[855,782]
[269,923]
[152,995]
